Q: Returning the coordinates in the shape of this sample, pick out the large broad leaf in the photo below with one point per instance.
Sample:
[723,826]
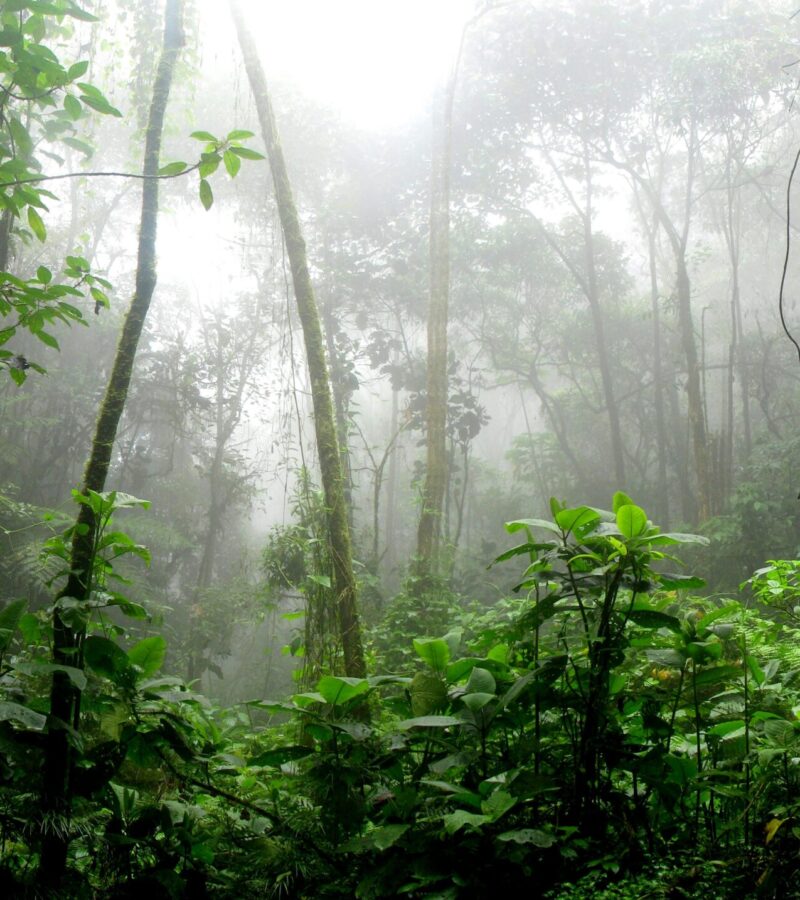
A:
[9,621]
[528,836]
[428,693]
[76,676]
[477,701]
[19,713]
[380,838]
[430,722]
[459,819]
[148,655]
[498,804]
[527,524]
[716,674]
[434,651]
[631,520]
[652,618]
[577,519]
[106,658]
[672,537]
[727,729]
[337,689]
[672,582]
[780,733]
[481,681]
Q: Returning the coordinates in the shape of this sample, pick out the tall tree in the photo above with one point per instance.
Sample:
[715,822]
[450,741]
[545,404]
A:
[68,638]
[330,460]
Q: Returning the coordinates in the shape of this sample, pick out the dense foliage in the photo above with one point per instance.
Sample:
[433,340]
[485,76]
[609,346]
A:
[308,665]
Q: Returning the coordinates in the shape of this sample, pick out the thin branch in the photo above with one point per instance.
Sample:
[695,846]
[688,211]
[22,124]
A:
[788,250]
[39,178]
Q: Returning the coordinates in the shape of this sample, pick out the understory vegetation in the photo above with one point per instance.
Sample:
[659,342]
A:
[604,731]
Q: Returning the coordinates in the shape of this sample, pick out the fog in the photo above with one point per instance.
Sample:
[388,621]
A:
[593,162]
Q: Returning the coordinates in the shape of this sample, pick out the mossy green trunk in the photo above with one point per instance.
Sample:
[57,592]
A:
[430,520]
[67,640]
[324,422]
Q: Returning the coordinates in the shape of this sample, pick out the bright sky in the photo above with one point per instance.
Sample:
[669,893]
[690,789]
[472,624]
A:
[374,61]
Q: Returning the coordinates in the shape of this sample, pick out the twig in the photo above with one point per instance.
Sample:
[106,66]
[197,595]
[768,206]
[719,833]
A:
[788,249]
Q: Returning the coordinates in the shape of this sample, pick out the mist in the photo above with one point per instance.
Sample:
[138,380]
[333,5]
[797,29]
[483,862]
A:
[399,423]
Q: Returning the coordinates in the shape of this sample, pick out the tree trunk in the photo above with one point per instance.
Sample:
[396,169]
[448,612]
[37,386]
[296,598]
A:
[694,394]
[598,324]
[324,422]
[658,384]
[430,521]
[67,641]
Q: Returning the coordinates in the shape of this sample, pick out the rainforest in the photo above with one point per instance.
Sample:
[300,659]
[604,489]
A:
[399,449]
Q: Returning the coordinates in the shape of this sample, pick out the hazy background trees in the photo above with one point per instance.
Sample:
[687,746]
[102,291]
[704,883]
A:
[616,192]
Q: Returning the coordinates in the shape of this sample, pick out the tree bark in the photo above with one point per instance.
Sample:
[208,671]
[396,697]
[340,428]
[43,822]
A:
[324,421]
[68,641]
[430,520]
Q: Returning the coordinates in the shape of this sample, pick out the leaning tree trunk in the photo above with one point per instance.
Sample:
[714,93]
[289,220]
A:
[324,422]
[65,698]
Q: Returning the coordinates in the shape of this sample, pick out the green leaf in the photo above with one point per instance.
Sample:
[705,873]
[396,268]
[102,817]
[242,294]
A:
[726,728]
[481,681]
[755,670]
[76,70]
[80,146]
[673,537]
[30,629]
[206,195]
[429,722]
[780,733]
[73,107]
[528,836]
[209,163]
[204,136]
[459,819]
[9,621]
[579,518]
[631,520]
[19,713]
[172,169]
[76,676]
[428,693]
[652,618]
[101,105]
[620,499]
[247,153]
[336,689]
[717,674]
[498,804]
[36,223]
[671,582]
[47,339]
[434,651]
[148,655]
[476,702]
[239,135]
[232,163]
[321,580]
[106,658]
[519,524]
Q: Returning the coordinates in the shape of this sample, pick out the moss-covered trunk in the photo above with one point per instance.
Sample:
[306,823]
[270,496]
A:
[324,422]
[67,639]
[436,463]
